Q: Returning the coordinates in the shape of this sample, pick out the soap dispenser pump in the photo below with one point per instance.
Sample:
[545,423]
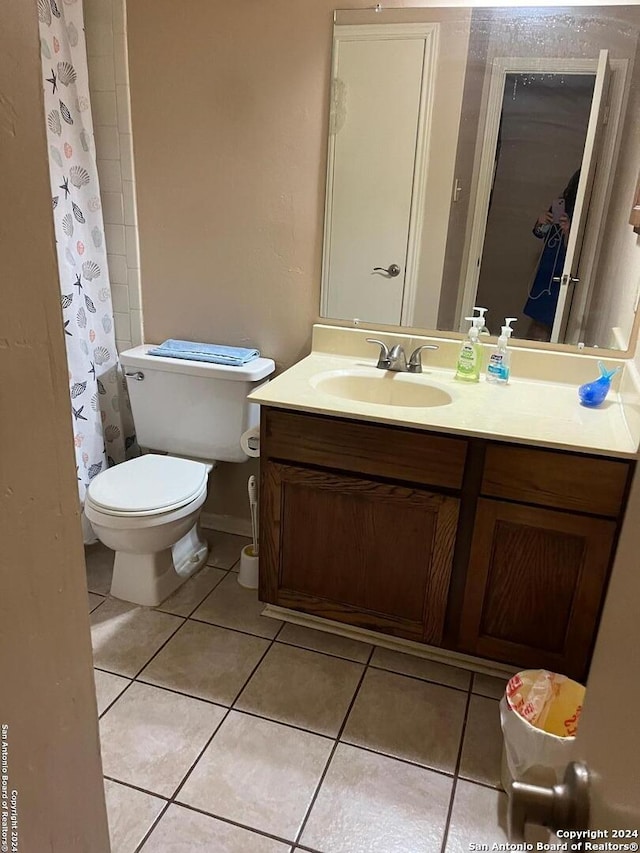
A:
[482,327]
[499,366]
[470,356]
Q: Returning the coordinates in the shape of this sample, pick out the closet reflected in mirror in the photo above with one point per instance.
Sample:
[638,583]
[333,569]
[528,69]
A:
[485,157]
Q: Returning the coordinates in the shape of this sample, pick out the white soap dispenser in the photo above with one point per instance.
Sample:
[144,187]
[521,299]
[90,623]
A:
[498,368]
[482,326]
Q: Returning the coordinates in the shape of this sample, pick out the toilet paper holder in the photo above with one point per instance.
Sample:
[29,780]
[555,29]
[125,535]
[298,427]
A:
[250,442]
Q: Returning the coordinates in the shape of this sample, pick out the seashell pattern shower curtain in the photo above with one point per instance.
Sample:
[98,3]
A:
[102,424]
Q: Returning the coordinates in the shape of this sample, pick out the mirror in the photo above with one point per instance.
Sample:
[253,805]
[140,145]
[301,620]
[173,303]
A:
[485,157]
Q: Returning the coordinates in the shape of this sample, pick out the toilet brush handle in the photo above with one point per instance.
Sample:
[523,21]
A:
[252,489]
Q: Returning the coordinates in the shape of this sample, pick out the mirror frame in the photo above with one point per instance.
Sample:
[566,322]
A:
[572,349]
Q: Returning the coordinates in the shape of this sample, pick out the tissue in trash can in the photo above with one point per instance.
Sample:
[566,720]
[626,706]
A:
[546,700]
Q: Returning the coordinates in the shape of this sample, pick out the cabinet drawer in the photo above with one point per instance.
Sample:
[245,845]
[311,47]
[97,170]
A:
[558,480]
[363,448]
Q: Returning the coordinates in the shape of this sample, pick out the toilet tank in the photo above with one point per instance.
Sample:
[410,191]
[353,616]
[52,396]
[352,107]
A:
[192,408]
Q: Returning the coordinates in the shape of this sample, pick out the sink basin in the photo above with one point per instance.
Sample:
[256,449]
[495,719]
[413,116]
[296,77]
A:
[383,388]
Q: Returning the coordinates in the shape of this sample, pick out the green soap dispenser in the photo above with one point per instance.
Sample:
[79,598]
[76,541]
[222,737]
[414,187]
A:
[470,356]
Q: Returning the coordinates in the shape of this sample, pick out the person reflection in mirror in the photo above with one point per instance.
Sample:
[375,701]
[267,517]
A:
[552,226]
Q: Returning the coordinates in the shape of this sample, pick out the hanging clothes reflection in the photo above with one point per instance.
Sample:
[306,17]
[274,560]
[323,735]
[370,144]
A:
[552,226]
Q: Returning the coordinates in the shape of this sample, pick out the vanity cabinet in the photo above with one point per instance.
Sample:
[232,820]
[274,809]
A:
[358,522]
[494,550]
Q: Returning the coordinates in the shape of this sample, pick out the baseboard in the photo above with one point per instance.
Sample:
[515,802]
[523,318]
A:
[225,523]
[395,643]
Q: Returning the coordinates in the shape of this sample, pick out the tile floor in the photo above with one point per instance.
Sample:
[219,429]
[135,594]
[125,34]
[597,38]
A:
[226,731]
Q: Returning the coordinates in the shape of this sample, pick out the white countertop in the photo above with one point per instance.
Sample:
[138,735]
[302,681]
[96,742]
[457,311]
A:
[526,411]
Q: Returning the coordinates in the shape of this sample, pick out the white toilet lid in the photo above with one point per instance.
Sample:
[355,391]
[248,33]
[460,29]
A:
[147,484]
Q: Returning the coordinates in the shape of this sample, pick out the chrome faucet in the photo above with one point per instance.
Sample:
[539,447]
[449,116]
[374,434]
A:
[395,359]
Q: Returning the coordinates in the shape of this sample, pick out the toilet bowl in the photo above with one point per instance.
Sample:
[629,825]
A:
[147,510]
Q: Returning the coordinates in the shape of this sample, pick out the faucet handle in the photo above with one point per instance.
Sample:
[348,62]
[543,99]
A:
[383,358]
[415,362]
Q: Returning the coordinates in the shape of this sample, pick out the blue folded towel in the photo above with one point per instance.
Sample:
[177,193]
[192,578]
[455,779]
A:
[214,353]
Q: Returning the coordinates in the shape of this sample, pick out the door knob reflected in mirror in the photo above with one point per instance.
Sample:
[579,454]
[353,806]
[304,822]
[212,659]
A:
[392,270]
[566,279]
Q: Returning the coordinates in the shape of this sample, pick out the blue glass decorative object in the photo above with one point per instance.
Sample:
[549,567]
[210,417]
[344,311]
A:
[593,394]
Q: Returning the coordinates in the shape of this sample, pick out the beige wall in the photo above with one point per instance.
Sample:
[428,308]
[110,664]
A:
[46,683]
[229,104]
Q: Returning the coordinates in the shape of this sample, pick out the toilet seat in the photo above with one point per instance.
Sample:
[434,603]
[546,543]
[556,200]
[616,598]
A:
[139,521]
[149,485]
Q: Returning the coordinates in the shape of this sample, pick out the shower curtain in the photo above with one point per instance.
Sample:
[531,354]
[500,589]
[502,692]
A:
[102,424]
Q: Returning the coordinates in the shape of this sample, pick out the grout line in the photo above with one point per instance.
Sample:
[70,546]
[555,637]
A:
[228,710]
[445,835]
[222,568]
[159,609]
[158,650]
[321,652]
[111,704]
[239,630]
[281,723]
[145,838]
[158,817]
[98,606]
[253,671]
[448,773]
[488,785]
[419,678]
[137,788]
[176,692]
[333,750]
[197,759]
[111,672]
[228,820]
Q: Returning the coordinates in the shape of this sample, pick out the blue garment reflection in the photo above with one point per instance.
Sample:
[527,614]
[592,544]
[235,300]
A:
[543,294]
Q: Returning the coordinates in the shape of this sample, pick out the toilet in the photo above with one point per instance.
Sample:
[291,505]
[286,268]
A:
[188,415]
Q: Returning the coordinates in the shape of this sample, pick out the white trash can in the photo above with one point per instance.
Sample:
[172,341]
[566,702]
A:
[539,714]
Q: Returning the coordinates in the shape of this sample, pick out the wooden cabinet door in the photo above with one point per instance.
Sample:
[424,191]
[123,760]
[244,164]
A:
[535,585]
[355,550]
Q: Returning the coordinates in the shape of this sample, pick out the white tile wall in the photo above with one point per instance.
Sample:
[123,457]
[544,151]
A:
[113,209]
[105,26]
[103,106]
